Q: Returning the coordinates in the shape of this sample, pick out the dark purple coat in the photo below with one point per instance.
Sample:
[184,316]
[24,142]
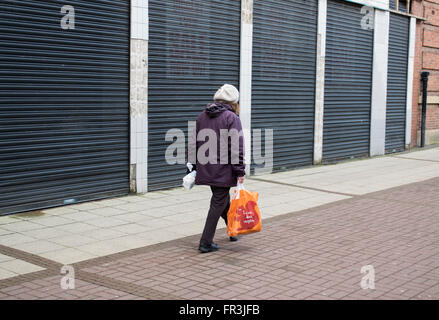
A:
[219,116]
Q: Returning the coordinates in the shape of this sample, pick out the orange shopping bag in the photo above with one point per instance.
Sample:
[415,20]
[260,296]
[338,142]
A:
[244,216]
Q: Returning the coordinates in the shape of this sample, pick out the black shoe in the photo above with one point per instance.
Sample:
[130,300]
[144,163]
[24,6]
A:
[215,246]
[233,239]
[208,248]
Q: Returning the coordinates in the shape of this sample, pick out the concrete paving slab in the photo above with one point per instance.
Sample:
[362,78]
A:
[19,267]
[68,256]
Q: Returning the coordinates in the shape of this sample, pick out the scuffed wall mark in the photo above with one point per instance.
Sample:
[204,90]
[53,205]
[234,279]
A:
[133,185]
[247,11]
[139,78]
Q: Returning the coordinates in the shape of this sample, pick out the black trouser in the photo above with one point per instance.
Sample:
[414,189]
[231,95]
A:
[219,206]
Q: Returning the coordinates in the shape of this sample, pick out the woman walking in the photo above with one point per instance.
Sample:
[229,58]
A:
[226,168]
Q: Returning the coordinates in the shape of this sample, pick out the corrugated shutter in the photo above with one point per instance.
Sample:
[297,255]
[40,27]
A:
[193,50]
[402,5]
[348,83]
[64,103]
[397,83]
[284,71]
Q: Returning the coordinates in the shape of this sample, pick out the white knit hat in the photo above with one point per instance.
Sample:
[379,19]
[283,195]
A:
[227,93]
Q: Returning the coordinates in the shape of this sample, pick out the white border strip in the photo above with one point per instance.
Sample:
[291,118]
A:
[139,96]
[245,80]
[379,83]
[320,82]
[410,74]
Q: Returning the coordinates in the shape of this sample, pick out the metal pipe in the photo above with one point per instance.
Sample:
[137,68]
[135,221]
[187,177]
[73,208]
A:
[424,77]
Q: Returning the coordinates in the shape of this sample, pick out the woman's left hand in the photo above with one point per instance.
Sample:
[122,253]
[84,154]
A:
[241,180]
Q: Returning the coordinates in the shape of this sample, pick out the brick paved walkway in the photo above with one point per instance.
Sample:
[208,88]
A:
[313,254]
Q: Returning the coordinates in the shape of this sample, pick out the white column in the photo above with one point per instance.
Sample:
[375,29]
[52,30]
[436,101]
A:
[410,72]
[379,83]
[246,76]
[320,82]
[139,96]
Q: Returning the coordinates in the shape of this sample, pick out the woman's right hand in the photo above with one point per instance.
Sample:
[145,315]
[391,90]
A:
[241,180]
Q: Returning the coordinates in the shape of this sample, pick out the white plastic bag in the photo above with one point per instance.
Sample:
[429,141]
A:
[239,187]
[189,180]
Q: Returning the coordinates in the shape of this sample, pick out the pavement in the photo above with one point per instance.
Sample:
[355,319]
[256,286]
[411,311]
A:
[321,226]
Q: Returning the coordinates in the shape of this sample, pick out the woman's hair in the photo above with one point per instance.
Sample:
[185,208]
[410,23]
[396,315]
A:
[234,105]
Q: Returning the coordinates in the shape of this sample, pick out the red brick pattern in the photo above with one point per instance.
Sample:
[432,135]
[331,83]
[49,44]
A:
[315,254]
[433,82]
[433,117]
[49,289]
[431,38]
[426,59]
[431,12]
[430,60]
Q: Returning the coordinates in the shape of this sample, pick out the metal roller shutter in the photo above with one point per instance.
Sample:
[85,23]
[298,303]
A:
[284,71]
[64,103]
[348,83]
[397,83]
[193,50]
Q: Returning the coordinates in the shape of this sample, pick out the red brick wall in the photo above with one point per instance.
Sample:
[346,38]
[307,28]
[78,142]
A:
[426,59]
[430,59]
[431,37]
[433,117]
[433,82]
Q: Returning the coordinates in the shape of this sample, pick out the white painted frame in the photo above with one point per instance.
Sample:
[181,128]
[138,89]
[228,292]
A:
[379,83]
[320,81]
[410,75]
[245,80]
[139,96]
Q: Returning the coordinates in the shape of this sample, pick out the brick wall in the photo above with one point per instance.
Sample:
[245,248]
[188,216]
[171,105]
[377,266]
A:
[433,117]
[426,59]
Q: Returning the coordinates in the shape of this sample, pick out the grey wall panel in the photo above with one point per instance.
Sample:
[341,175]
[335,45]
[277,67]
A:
[397,83]
[348,83]
[64,103]
[284,71]
[193,50]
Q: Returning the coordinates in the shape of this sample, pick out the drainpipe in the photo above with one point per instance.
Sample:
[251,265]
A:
[424,77]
